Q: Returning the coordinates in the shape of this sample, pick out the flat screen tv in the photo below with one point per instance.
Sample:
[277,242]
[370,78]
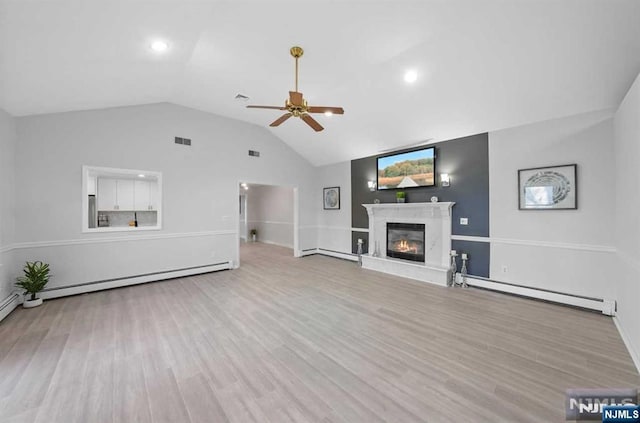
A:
[407,170]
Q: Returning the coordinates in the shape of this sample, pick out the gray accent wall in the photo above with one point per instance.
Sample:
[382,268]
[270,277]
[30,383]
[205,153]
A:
[479,254]
[466,160]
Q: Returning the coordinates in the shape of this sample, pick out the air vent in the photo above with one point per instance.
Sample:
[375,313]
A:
[241,97]
[254,153]
[183,141]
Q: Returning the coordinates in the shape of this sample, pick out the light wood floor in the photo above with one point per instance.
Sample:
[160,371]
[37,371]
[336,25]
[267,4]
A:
[301,340]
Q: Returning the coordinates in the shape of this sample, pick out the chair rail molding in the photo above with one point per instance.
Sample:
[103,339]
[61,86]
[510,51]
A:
[137,237]
[536,243]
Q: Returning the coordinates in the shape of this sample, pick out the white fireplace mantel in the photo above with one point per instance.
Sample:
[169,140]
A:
[437,220]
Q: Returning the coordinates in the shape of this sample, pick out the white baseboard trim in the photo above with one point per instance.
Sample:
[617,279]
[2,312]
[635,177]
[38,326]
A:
[275,243]
[603,306]
[9,304]
[307,252]
[635,355]
[338,254]
[83,288]
[330,253]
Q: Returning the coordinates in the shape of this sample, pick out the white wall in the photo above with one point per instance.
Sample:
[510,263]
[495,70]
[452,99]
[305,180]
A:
[569,251]
[243,216]
[334,226]
[8,142]
[627,234]
[200,185]
[270,212]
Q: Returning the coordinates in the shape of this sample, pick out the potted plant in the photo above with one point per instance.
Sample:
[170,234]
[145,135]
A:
[400,196]
[254,234]
[36,276]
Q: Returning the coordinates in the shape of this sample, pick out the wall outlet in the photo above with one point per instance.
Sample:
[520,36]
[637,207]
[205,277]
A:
[464,220]
[504,269]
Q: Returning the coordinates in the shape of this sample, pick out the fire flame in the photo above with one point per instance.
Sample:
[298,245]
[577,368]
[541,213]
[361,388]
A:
[405,246]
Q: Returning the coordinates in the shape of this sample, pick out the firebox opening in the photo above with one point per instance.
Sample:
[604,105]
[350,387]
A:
[406,241]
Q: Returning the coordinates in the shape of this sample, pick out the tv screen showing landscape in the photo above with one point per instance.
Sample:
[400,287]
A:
[407,170]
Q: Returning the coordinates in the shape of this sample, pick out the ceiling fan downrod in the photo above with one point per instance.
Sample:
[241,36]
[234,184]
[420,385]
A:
[296,52]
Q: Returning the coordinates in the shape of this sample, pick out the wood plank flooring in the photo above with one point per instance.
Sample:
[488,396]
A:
[315,339]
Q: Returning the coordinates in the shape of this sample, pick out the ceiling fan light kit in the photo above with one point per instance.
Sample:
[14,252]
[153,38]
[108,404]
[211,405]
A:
[297,106]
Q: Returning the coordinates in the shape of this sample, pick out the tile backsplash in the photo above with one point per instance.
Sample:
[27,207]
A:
[122,218]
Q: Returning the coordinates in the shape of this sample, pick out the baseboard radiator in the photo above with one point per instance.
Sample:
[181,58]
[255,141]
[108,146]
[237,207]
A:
[81,288]
[604,306]
[330,253]
[9,304]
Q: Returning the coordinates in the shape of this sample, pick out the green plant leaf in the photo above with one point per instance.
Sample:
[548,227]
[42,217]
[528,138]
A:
[36,277]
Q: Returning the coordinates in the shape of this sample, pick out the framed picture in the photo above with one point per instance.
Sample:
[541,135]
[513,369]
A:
[331,198]
[548,188]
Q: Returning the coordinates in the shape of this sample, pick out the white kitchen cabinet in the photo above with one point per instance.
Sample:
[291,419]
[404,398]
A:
[115,194]
[142,195]
[146,195]
[120,190]
[154,196]
[125,193]
[107,194]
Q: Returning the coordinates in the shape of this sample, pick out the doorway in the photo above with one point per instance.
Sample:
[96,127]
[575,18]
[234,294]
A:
[270,212]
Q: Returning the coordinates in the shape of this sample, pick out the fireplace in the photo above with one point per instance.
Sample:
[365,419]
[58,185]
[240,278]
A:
[405,241]
[435,221]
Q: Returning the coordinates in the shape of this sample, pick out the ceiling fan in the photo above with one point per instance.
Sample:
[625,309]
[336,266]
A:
[297,106]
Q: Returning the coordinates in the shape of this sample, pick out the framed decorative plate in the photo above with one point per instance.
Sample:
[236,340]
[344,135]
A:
[548,188]
[331,198]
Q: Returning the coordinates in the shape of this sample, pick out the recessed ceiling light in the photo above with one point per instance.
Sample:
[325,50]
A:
[141,176]
[159,46]
[328,113]
[410,76]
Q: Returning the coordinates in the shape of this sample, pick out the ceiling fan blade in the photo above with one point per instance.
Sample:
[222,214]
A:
[323,109]
[295,98]
[281,119]
[267,107]
[312,122]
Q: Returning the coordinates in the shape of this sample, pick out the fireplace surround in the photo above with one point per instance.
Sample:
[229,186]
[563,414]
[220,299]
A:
[436,219]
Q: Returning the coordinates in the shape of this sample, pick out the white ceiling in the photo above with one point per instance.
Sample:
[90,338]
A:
[482,64]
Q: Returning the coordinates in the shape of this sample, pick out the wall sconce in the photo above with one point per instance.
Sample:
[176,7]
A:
[444,180]
[372,185]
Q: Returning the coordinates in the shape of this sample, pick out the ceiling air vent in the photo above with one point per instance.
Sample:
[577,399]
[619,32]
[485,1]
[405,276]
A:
[183,141]
[254,153]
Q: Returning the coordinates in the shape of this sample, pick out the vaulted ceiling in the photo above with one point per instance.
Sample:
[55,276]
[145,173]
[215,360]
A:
[482,64]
